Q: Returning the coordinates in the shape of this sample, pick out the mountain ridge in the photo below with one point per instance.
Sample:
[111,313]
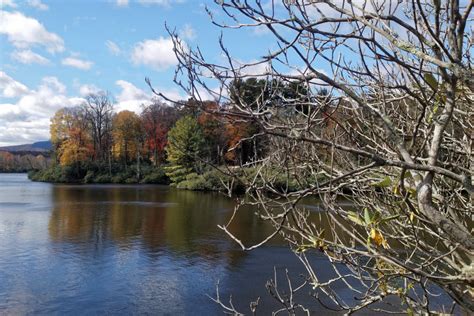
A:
[41,146]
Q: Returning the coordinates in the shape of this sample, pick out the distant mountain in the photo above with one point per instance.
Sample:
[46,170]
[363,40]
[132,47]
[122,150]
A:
[42,146]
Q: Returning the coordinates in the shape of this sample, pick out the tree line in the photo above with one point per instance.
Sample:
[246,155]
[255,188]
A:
[22,161]
[94,143]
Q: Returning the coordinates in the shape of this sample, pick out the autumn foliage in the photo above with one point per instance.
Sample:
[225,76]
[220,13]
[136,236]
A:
[189,134]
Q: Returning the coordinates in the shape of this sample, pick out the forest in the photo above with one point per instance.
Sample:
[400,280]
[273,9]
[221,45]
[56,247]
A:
[188,144]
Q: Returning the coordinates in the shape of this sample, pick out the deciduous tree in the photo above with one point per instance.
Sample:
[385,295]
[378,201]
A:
[400,147]
[157,119]
[127,136]
[98,110]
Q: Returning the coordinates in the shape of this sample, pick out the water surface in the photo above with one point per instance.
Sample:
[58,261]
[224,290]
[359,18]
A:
[128,249]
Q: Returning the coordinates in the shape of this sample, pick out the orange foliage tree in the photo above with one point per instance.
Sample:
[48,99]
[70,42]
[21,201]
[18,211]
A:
[157,119]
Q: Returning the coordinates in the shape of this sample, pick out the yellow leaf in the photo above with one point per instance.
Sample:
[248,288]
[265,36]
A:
[378,239]
[396,190]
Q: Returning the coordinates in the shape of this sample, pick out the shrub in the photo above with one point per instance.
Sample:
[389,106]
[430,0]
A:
[155,176]
[212,180]
[90,177]
[102,178]
[177,174]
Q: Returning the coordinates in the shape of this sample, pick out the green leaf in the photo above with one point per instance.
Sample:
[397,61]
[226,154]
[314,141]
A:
[355,218]
[435,108]
[412,192]
[367,217]
[386,182]
[431,81]
[388,219]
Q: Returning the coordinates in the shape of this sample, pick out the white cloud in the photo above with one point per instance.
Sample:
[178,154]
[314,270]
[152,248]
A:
[38,5]
[188,33]
[252,68]
[28,119]
[130,91]
[24,32]
[11,88]
[8,3]
[131,97]
[77,63]
[87,89]
[113,47]
[26,56]
[52,84]
[158,54]
[121,3]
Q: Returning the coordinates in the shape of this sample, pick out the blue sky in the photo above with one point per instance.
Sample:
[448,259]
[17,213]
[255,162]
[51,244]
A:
[52,53]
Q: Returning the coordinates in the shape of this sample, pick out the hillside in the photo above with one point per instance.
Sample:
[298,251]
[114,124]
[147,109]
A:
[42,146]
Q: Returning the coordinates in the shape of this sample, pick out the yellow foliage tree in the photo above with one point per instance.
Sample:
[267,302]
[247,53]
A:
[69,136]
[127,134]
[72,152]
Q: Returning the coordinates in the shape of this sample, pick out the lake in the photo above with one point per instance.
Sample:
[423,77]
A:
[130,249]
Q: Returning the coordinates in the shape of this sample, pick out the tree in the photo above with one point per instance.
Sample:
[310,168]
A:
[69,136]
[98,110]
[128,137]
[127,133]
[212,126]
[61,124]
[240,147]
[399,146]
[186,144]
[157,119]
[71,153]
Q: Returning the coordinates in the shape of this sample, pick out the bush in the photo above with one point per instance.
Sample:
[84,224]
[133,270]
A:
[102,178]
[57,174]
[177,174]
[155,176]
[212,180]
[195,184]
[90,177]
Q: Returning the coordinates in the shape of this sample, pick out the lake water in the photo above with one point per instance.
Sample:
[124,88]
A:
[129,249]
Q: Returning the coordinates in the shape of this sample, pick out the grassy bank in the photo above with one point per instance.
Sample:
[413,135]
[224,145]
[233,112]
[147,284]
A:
[100,173]
[212,179]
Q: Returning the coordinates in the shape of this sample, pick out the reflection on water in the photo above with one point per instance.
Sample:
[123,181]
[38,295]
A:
[94,249]
[155,217]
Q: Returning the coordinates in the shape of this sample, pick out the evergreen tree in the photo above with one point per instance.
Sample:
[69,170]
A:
[186,143]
